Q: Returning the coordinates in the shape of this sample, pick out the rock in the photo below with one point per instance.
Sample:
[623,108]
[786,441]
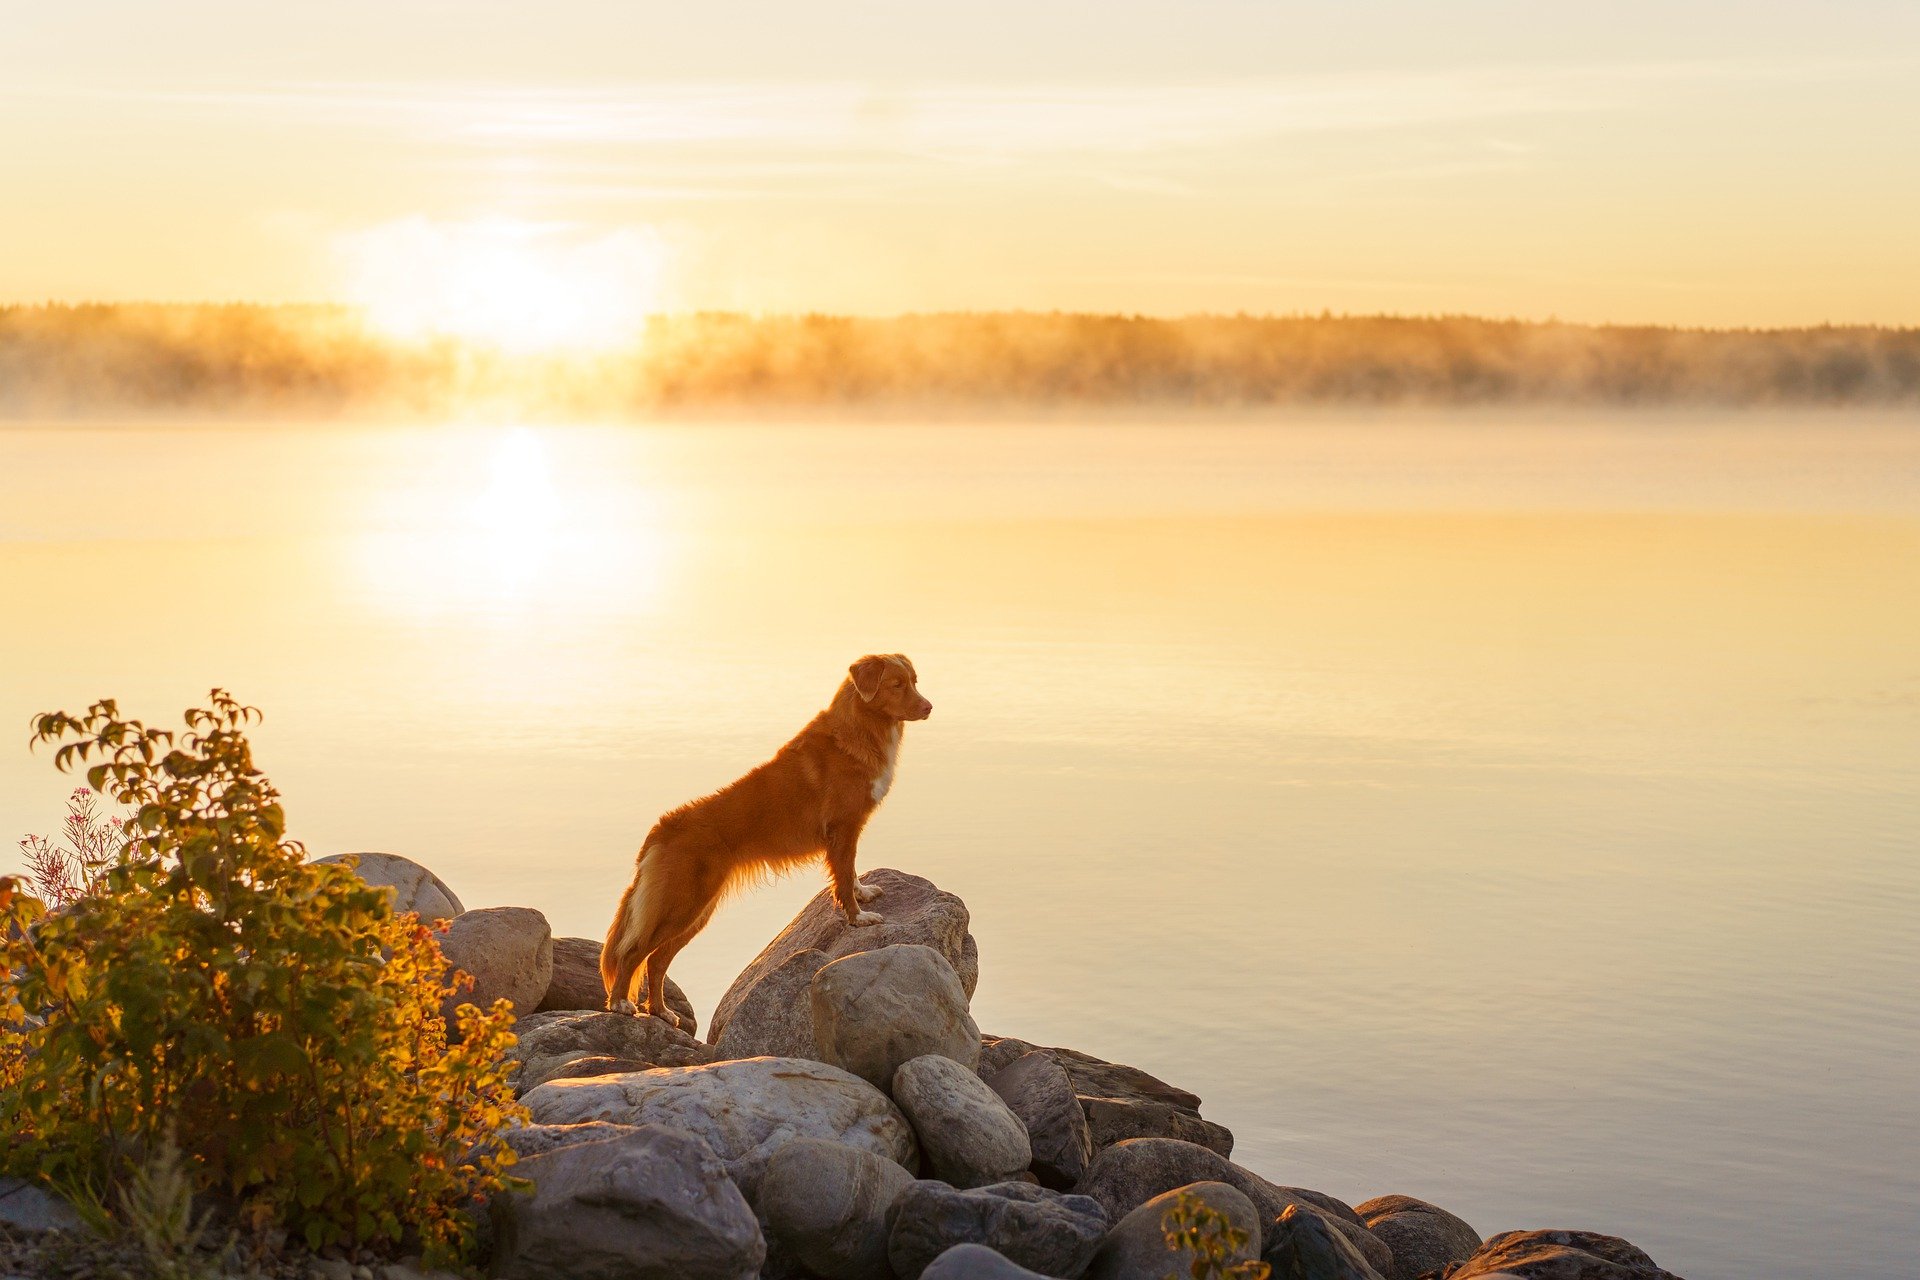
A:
[827,1205]
[1559,1255]
[876,1010]
[1136,1248]
[576,1042]
[652,1203]
[25,1206]
[744,1111]
[1092,1077]
[508,951]
[975,1262]
[1035,1228]
[538,1139]
[1305,1245]
[1423,1237]
[415,888]
[775,1018]
[1111,1120]
[1130,1173]
[1038,1089]
[916,911]
[576,982]
[969,1136]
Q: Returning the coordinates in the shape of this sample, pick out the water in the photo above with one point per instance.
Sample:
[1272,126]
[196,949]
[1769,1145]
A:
[1515,813]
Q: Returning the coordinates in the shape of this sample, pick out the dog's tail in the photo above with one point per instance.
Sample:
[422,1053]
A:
[635,920]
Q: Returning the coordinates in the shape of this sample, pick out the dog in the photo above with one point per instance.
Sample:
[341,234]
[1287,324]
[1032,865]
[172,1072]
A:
[814,797]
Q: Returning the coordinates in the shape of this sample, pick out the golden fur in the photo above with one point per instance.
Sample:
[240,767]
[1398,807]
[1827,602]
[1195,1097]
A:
[813,797]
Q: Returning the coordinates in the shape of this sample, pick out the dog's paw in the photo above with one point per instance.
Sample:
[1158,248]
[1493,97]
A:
[621,1006]
[866,892]
[866,918]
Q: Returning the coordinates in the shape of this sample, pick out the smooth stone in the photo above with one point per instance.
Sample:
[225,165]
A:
[976,1262]
[576,983]
[874,1011]
[1130,1173]
[1305,1245]
[967,1132]
[537,1139]
[1038,1090]
[562,1043]
[1044,1231]
[507,951]
[415,888]
[775,1018]
[1111,1120]
[1423,1237]
[916,911]
[745,1111]
[25,1206]
[650,1204]
[1092,1077]
[1559,1255]
[1136,1248]
[826,1204]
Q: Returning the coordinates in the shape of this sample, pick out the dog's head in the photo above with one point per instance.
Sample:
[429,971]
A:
[887,683]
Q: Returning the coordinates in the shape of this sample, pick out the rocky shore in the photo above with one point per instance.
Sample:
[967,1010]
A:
[844,1118]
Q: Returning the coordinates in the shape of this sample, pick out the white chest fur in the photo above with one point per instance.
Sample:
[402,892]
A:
[884,782]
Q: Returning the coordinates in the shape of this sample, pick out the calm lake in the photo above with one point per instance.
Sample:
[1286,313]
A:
[1518,812]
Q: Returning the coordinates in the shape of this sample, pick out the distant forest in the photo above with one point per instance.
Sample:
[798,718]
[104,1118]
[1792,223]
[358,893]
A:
[100,359]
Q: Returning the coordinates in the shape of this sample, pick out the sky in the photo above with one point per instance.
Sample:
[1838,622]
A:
[1687,161]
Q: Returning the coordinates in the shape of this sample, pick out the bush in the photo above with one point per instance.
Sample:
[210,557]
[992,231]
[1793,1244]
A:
[1209,1239]
[272,1016]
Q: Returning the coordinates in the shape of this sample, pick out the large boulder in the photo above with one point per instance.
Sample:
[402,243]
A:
[508,952]
[537,1139]
[968,1135]
[744,1110]
[576,983]
[1111,1120]
[826,1204]
[1559,1255]
[578,1042]
[874,1011]
[415,888]
[1038,1089]
[1136,1248]
[1092,1077]
[651,1203]
[775,1018]
[1128,1174]
[916,911]
[1423,1237]
[976,1262]
[1305,1245]
[1036,1228]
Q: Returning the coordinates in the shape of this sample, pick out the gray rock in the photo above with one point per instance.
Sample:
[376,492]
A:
[1111,1120]
[775,1018]
[826,1204]
[1423,1237]
[415,888]
[508,952]
[1041,1230]
[1559,1255]
[976,1262]
[576,983]
[1130,1173]
[1305,1245]
[1092,1077]
[969,1136]
[538,1139]
[877,1010]
[650,1204]
[577,1042]
[1038,1089]
[745,1111]
[1136,1248]
[916,911]
[27,1207]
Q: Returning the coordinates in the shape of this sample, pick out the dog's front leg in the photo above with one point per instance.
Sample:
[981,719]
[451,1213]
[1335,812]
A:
[842,847]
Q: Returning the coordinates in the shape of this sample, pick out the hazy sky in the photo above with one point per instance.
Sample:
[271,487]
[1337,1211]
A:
[1687,160]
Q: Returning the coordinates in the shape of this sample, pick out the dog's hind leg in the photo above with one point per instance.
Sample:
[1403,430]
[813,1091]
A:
[655,1003]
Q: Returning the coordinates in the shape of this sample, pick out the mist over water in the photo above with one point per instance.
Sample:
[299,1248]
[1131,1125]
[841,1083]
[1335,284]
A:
[1512,811]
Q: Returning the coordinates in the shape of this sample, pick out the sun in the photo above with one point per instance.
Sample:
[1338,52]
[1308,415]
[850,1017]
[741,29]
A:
[518,285]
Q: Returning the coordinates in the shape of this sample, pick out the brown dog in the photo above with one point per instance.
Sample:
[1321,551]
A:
[813,797]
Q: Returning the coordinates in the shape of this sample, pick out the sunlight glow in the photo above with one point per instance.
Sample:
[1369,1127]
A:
[522,286]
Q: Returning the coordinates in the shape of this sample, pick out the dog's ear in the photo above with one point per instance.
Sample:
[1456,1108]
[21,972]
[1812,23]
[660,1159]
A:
[866,675]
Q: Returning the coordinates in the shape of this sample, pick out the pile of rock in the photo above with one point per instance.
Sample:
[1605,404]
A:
[844,1119]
